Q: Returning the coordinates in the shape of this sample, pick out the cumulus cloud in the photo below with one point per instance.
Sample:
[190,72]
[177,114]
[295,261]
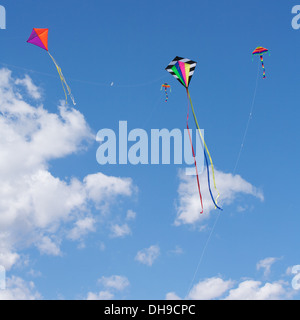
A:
[34,204]
[121,230]
[111,285]
[102,295]
[32,89]
[209,289]
[172,296]
[103,189]
[82,227]
[229,187]
[148,256]
[255,290]
[118,283]
[250,289]
[18,289]
[7,257]
[217,288]
[48,246]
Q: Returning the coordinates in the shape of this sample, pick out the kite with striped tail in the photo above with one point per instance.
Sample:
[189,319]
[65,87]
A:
[260,51]
[183,70]
[39,37]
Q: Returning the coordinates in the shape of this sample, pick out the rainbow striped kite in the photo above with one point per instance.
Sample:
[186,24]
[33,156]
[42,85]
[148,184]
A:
[166,86]
[260,51]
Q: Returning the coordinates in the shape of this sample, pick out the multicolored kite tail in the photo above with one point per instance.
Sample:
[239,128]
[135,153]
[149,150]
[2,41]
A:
[166,86]
[263,66]
[206,152]
[39,37]
[194,156]
[63,81]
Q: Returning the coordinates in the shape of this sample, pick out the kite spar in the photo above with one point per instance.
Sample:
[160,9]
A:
[39,37]
[183,70]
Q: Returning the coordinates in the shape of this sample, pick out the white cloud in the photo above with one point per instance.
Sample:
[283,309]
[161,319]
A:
[111,284]
[118,283]
[229,186]
[148,256]
[7,258]
[217,288]
[34,204]
[101,188]
[82,227]
[177,251]
[209,289]
[131,215]
[48,246]
[102,295]
[255,290]
[172,296]
[18,289]
[31,88]
[250,289]
[34,273]
[266,265]
[120,231]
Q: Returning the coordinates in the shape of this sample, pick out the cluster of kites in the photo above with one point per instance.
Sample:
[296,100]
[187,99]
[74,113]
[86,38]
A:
[181,69]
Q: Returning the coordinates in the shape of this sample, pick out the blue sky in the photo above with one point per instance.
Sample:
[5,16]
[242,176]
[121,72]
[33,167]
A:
[255,241]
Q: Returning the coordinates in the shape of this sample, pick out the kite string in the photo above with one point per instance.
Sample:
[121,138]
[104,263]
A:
[248,123]
[234,171]
[84,81]
[203,253]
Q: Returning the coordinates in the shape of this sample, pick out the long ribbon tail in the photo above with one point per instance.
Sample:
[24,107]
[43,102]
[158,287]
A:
[167,97]
[209,187]
[263,66]
[207,152]
[195,161]
[63,82]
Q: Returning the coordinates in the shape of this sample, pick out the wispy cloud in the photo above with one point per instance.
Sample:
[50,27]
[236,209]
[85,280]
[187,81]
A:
[118,283]
[120,231]
[266,265]
[148,256]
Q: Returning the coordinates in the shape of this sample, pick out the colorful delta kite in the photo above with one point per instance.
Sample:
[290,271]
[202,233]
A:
[260,51]
[39,37]
[183,70]
[166,86]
